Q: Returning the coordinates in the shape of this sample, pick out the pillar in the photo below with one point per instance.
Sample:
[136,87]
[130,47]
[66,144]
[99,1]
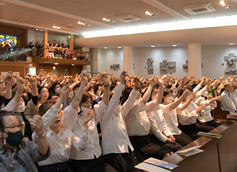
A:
[71,42]
[128,59]
[94,56]
[46,50]
[194,60]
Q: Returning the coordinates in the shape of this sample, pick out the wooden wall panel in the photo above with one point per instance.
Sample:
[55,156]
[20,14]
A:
[6,66]
[227,146]
[72,70]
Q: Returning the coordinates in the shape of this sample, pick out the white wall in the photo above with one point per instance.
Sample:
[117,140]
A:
[172,54]
[112,56]
[109,57]
[213,58]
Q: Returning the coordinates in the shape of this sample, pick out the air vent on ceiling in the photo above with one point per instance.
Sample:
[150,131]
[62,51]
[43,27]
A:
[70,26]
[200,9]
[126,18]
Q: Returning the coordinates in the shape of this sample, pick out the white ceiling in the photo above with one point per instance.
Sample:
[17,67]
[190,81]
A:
[66,14]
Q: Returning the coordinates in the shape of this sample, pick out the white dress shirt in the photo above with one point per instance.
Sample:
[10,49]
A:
[226,102]
[74,122]
[11,106]
[207,110]
[114,132]
[159,126]
[137,121]
[172,122]
[188,116]
[61,143]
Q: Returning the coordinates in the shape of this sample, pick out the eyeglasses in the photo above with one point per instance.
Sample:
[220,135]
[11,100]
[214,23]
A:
[21,126]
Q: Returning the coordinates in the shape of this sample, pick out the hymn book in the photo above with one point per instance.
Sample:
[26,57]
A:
[155,165]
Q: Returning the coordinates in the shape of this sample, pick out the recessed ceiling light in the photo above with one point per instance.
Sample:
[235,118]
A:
[108,20]
[231,43]
[54,67]
[36,29]
[149,13]
[153,46]
[55,63]
[119,47]
[105,19]
[105,47]
[72,64]
[224,4]
[56,27]
[174,45]
[81,23]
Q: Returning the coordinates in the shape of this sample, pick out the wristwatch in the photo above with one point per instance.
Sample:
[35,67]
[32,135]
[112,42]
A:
[41,136]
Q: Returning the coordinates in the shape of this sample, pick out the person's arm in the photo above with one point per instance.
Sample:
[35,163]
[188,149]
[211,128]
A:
[197,88]
[9,81]
[77,99]
[160,92]
[50,115]
[105,81]
[179,100]
[37,124]
[114,100]
[13,104]
[186,104]
[147,94]
[127,106]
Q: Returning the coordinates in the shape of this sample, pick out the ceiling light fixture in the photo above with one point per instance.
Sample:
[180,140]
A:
[174,45]
[81,23]
[56,27]
[119,47]
[105,47]
[224,4]
[55,63]
[36,29]
[149,13]
[231,43]
[72,64]
[108,20]
[153,46]
[69,36]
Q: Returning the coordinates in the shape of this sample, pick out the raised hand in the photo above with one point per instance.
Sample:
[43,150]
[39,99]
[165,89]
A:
[63,93]
[200,108]
[84,76]
[123,76]
[186,93]
[87,118]
[137,83]
[37,125]
[20,84]
[105,78]
[152,82]
[9,79]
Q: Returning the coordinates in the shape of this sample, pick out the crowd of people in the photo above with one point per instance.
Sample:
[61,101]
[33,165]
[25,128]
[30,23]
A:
[58,50]
[103,123]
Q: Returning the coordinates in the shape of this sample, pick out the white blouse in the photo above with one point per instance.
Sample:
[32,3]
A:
[74,122]
[114,131]
[61,143]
